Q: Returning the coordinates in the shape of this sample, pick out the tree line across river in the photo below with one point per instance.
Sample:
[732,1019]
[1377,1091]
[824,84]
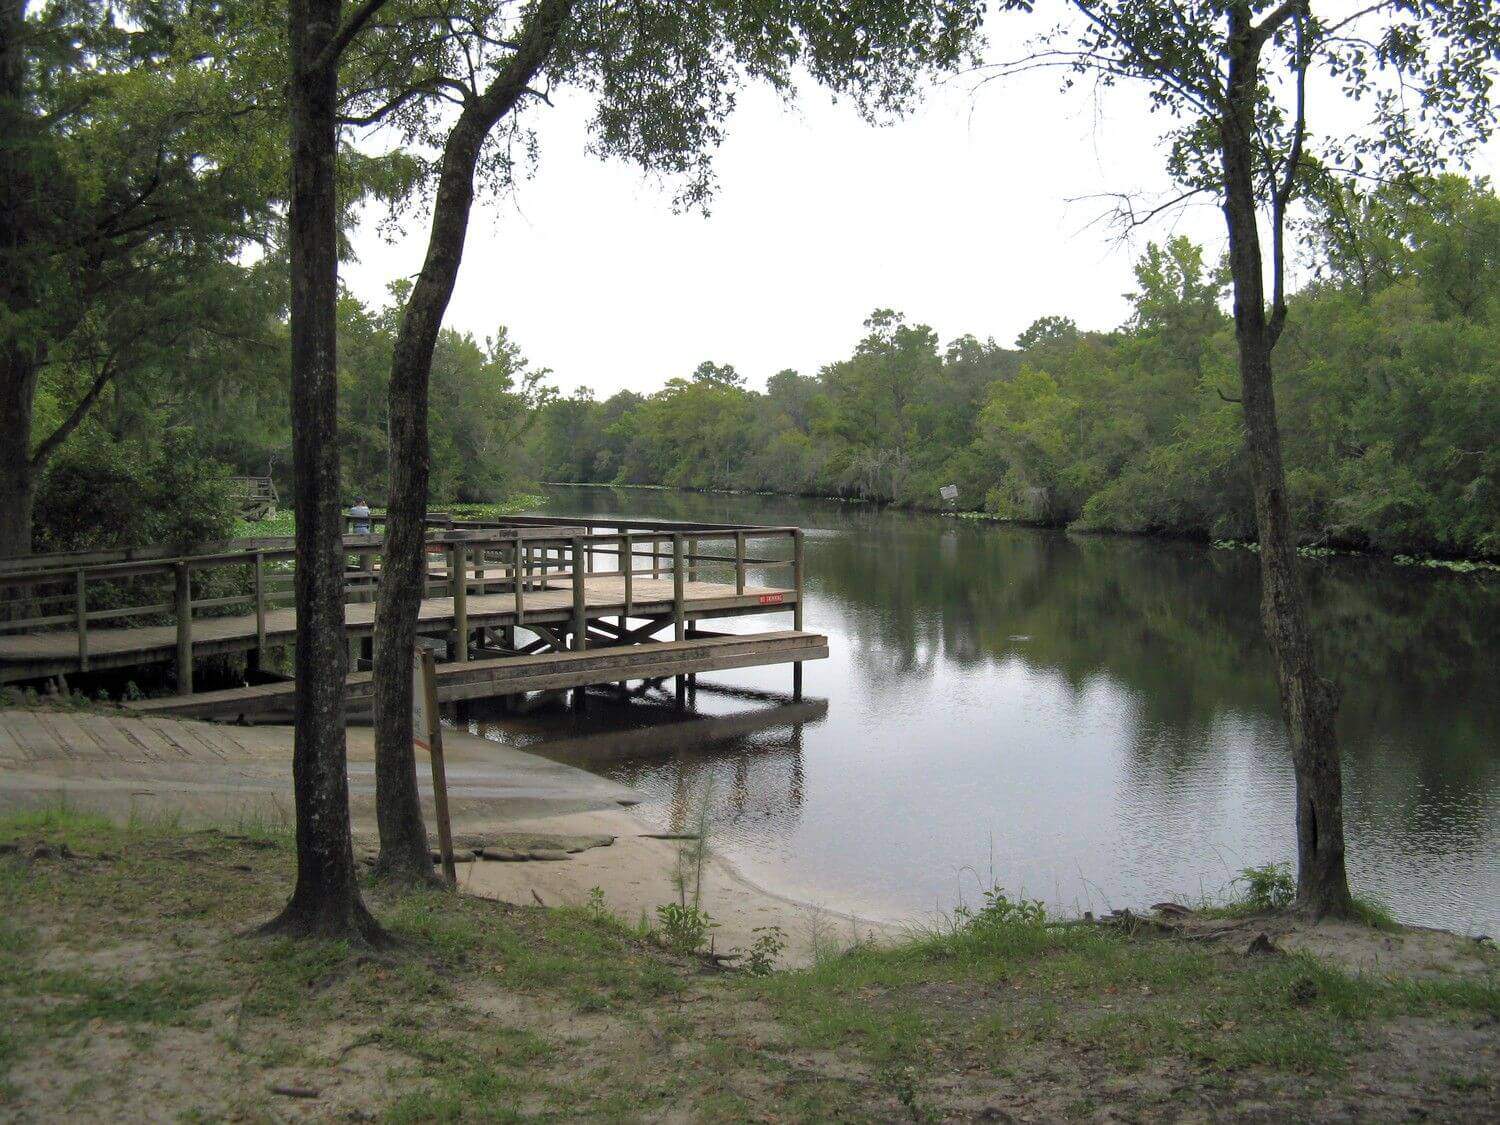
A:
[1388,392]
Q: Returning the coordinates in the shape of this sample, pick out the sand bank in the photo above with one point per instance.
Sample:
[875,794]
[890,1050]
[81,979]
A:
[204,773]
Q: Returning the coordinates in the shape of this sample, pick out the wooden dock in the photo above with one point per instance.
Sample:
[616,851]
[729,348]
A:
[502,676]
[522,605]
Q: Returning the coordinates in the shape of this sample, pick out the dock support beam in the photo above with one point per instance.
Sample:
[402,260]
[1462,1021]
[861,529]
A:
[679,611]
[797,608]
[81,611]
[581,562]
[458,564]
[184,609]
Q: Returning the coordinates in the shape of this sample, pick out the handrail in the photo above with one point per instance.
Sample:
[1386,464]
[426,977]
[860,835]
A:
[503,558]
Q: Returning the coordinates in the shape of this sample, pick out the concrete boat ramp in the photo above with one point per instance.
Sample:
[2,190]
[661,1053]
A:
[206,773]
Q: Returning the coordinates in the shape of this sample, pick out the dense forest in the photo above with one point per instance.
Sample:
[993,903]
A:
[1388,388]
[153,461]
[1388,384]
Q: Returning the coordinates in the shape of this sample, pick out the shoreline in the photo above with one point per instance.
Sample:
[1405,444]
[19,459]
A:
[634,875]
[223,775]
[1463,565]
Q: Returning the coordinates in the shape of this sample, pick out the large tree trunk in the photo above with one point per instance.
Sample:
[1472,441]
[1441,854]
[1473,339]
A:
[326,901]
[17,482]
[404,851]
[1309,703]
[18,367]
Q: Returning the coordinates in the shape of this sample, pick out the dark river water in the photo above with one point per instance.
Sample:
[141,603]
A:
[1087,720]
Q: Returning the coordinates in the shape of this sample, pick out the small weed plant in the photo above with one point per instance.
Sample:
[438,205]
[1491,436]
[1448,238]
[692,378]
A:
[1000,911]
[1269,887]
[684,929]
[767,948]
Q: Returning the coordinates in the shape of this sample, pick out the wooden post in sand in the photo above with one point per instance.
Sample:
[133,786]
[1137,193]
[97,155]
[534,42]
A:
[427,733]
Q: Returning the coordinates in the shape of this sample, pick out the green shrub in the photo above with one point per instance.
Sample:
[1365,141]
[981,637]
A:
[765,950]
[684,929]
[101,494]
[1270,887]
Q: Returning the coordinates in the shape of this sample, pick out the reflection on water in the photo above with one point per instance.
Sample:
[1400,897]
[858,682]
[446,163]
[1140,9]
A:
[1090,720]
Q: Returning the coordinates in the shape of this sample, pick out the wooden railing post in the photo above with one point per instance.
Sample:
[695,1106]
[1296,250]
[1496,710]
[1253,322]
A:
[260,606]
[797,607]
[580,620]
[656,556]
[692,554]
[459,583]
[627,566]
[679,610]
[797,578]
[519,581]
[739,563]
[82,613]
[366,577]
[183,606]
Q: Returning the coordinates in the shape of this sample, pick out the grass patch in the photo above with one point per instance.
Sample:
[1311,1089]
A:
[134,950]
[1011,992]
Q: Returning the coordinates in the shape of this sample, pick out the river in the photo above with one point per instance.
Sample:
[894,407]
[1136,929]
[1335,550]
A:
[1088,720]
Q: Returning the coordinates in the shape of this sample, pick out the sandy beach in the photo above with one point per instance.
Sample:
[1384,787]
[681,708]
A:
[203,773]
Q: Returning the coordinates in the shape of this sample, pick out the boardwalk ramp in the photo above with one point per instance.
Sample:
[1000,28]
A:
[511,675]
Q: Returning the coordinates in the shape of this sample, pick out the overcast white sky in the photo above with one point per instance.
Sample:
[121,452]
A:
[958,216]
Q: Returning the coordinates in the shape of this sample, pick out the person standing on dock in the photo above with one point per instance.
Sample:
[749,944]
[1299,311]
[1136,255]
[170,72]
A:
[360,514]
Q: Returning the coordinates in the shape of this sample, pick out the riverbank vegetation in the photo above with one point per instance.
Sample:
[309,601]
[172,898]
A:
[1388,392]
[154,464]
[132,989]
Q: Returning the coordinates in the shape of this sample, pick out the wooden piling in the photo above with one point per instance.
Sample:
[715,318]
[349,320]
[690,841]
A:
[260,608]
[679,611]
[518,580]
[459,582]
[183,605]
[81,612]
[580,620]
[797,561]
[627,555]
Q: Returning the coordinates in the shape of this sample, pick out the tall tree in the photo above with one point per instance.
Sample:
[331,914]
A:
[325,901]
[1238,75]
[404,849]
[663,76]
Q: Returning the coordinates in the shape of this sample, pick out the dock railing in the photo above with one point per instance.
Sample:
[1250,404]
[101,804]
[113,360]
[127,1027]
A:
[83,591]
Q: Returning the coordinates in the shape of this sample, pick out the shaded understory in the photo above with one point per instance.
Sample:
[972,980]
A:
[130,991]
